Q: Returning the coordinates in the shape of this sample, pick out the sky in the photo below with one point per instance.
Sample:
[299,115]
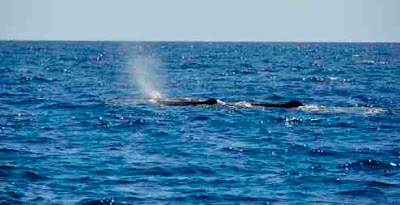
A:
[201,20]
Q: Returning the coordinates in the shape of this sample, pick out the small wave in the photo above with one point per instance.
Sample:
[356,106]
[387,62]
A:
[44,80]
[33,176]
[368,192]
[200,117]
[40,200]
[241,71]
[266,60]
[370,164]
[65,58]
[382,184]
[195,65]
[305,150]
[26,79]
[368,62]
[13,94]
[60,105]
[106,201]
[87,95]
[30,100]
[8,167]
[156,171]
[246,65]
[325,79]
[363,62]
[23,79]
[6,150]
[292,119]
[173,171]
[80,179]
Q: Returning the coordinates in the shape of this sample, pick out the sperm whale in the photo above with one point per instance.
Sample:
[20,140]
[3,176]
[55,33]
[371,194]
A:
[290,104]
[213,101]
[210,101]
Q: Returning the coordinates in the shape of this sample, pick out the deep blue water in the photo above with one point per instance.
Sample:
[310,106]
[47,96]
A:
[66,137]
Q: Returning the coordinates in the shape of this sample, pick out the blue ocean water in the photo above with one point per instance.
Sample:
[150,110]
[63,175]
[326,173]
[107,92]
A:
[75,128]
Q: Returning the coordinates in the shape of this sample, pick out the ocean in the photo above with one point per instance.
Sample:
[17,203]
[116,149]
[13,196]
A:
[77,125]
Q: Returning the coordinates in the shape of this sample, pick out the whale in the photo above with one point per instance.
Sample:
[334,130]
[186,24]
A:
[210,101]
[213,101]
[290,104]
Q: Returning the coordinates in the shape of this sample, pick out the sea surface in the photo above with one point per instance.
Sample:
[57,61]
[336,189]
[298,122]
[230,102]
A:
[77,126]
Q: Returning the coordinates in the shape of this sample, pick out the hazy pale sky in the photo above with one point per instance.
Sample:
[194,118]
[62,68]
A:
[202,20]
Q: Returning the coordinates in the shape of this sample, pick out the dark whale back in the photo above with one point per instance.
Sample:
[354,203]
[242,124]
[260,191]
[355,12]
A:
[293,103]
[211,101]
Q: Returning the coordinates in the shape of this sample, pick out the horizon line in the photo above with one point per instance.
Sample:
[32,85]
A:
[194,41]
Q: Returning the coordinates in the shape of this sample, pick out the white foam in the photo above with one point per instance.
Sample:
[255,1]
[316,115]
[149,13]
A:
[243,104]
[221,102]
[355,110]
[155,94]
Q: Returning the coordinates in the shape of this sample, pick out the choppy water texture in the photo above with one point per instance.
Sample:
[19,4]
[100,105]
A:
[62,141]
